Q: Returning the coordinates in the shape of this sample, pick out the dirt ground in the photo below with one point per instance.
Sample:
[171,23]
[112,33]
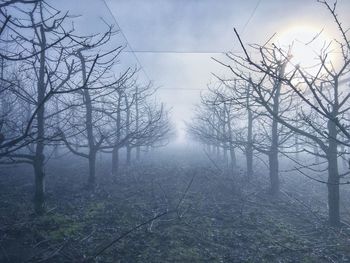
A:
[209,216]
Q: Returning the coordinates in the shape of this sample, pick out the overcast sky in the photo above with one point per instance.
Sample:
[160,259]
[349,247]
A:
[194,25]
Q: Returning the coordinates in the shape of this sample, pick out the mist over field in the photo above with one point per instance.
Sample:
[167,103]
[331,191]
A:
[174,131]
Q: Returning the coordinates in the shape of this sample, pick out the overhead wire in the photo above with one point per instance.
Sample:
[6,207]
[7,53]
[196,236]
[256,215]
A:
[127,41]
[133,51]
[251,16]
[181,51]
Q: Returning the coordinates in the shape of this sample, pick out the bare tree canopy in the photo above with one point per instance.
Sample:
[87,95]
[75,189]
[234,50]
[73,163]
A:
[174,131]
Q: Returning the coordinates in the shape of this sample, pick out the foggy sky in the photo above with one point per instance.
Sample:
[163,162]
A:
[193,25]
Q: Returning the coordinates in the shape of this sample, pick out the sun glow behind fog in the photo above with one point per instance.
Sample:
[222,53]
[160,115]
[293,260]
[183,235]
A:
[306,44]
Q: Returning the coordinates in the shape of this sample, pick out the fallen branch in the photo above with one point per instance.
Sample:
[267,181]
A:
[112,242]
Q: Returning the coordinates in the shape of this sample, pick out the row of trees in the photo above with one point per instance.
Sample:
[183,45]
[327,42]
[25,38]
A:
[287,110]
[62,89]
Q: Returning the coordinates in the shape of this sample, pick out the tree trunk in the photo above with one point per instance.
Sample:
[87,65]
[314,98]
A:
[138,153]
[225,155]
[39,196]
[333,191]
[115,152]
[210,149]
[333,176]
[296,137]
[274,178]
[39,165]
[273,153]
[128,155]
[207,148]
[39,157]
[217,148]
[224,135]
[316,152]
[58,128]
[88,125]
[273,159]
[233,159]
[128,147]
[137,121]
[92,170]
[115,161]
[249,147]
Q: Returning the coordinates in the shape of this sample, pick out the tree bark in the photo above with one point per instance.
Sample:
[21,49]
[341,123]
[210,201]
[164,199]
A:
[115,161]
[225,153]
[233,159]
[128,147]
[39,197]
[274,178]
[333,176]
[115,152]
[92,170]
[39,192]
[296,137]
[138,151]
[249,148]
[273,153]
[128,155]
[273,159]
[88,125]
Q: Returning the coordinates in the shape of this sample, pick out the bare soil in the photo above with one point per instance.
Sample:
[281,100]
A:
[220,218]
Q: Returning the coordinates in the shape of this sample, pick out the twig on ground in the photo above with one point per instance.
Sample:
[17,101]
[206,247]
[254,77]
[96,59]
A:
[112,242]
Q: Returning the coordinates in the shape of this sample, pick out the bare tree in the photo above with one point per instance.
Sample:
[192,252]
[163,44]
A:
[239,96]
[322,117]
[216,123]
[91,126]
[39,51]
[43,61]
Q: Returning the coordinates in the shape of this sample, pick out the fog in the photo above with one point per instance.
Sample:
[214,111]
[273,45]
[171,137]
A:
[192,27]
[174,131]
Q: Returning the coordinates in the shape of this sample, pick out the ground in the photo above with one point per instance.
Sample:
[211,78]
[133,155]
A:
[210,216]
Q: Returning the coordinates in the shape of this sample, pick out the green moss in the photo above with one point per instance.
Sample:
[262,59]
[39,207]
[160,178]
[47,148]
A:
[58,227]
[94,209]
[182,254]
[309,259]
[65,231]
